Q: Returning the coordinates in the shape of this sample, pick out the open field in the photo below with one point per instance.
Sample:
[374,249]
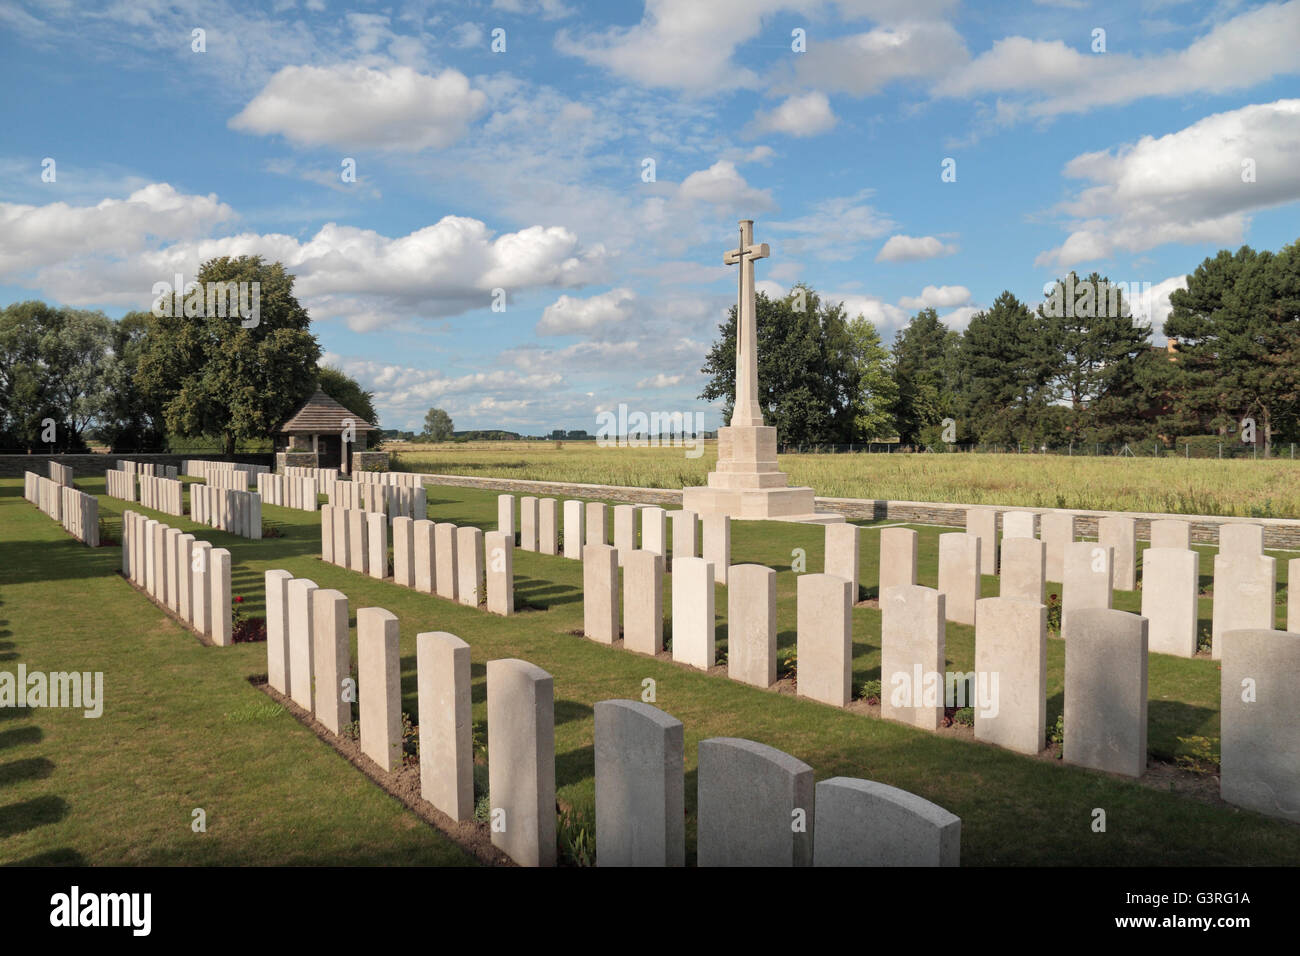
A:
[1260,489]
[182,727]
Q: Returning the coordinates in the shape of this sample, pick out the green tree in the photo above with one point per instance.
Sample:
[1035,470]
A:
[437,425]
[1006,369]
[877,396]
[348,392]
[807,380]
[225,375]
[130,420]
[925,370]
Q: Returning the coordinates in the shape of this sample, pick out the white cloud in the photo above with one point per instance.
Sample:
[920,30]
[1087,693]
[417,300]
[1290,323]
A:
[1183,187]
[1053,78]
[350,106]
[864,63]
[574,316]
[723,185]
[806,115]
[937,297]
[660,381]
[1153,307]
[902,248]
[883,315]
[958,319]
[546,9]
[466,35]
[834,229]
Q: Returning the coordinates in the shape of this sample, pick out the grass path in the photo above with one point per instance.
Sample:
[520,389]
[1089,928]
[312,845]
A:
[182,727]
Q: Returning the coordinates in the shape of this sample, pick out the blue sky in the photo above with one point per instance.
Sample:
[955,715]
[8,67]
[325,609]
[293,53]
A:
[523,169]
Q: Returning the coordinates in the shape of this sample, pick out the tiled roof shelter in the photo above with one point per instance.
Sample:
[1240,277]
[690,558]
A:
[318,427]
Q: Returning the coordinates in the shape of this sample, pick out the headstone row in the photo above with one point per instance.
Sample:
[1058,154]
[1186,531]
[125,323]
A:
[323,477]
[162,494]
[120,484]
[202,468]
[189,577]
[289,491]
[143,468]
[456,563]
[238,512]
[60,474]
[395,500]
[77,512]
[405,479]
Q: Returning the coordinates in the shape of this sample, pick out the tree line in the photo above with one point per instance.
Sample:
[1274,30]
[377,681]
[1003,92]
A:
[1078,368]
[68,376]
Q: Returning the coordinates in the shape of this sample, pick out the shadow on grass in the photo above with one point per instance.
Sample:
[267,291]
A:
[18,818]
[61,857]
[19,736]
[29,768]
[575,766]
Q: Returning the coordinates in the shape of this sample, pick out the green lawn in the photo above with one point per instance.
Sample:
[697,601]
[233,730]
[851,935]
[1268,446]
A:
[182,726]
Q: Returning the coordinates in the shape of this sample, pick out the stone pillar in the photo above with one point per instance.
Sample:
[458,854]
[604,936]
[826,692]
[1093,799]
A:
[865,823]
[600,593]
[277,629]
[446,722]
[912,644]
[505,515]
[749,797]
[1024,570]
[1120,535]
[528,520]
[596,519]
[1170,585]
[404,552]
[302,643]
[379,687]
[624,531]
[1260,763]
[547,525]
[959,575]
[521,764]
[358,541]
[500,561]
[825,641]
[1106,691]
[377,543]
[643,602]
[1011,661]
[332,658]
[573,529]
[469,565]
[693,624]
[221,610]
[640,784]
[654,531]
[1171,533]
[1244,587]
[983,524]
[1087,580]
[1058,530]
[717,545]
[445,572]
[685,534]
[841,555]
[751,625]
[425,555]
[201,588]
[898,547]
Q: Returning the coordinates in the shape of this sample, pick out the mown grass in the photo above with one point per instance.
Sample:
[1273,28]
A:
[1241,487]
[184,729]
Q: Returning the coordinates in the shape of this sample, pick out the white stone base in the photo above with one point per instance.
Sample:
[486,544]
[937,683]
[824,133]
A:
[757,504]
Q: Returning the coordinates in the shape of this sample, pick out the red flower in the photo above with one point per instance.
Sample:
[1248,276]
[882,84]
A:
[239,599]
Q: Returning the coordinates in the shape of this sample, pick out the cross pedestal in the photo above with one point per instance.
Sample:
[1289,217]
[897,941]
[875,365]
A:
[746,482]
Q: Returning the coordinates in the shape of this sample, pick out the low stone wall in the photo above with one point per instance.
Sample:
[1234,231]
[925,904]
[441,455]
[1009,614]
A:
[1283,533]
[94,465]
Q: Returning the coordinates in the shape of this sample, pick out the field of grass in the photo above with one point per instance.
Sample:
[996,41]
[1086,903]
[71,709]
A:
[1267,489]
[183,728]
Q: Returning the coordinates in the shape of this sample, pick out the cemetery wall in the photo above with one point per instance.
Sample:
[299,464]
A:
[12,466]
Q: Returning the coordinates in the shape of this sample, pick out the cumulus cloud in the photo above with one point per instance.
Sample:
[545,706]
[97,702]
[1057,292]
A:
[349,106]
[864,63]
[722,185]
[937,297]
[806,115]
[834,228]
[902,248]
[574,316]
[885,316]
[1185,187]
[660,381]
[1051,78]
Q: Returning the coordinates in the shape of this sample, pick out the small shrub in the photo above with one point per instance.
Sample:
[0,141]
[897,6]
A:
[1198,755]
[352,730]
[1056,732]
[787,663]
[410,739]
[871,691]
[272,531]
[483,808]
[964,716]
[1054,613]
[575,837]
[243,628]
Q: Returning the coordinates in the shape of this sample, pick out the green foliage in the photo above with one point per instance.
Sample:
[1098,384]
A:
[348,392]
[870,690]
[1054,613]
[1056,732]
[1198,754]
[877,396]
[925,366]
[575,837]
[787,663]
[964,716]
[437,425]
[211,375]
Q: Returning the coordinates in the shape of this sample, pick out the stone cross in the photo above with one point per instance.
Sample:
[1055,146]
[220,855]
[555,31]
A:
[746,410]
